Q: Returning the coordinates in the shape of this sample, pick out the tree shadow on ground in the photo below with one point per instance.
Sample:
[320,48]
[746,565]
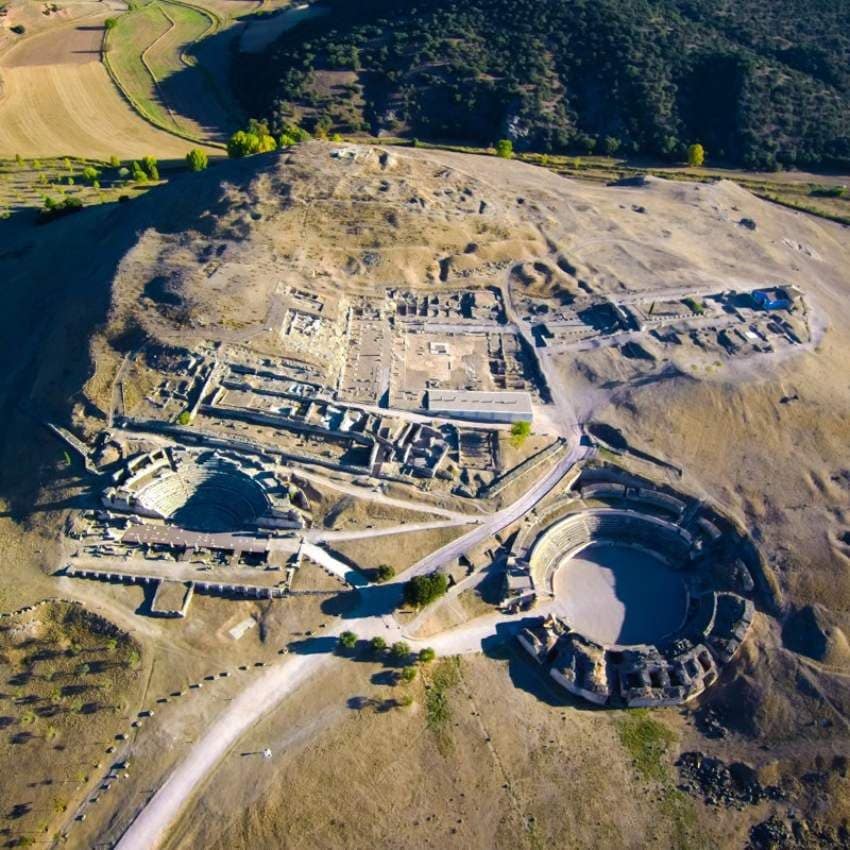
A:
[318,645]
[374,600]
[359,703]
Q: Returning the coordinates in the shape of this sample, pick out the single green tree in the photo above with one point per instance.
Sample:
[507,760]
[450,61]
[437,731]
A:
[377,645]
[197,160]
[520,432]
[323,127]
[400,650]
[427,655]
[185,418]
[505,148]
[696,155]
[424,589]
[408,674]
[292,134]
[90,174]
[114,162]
[348,640]
[384,573]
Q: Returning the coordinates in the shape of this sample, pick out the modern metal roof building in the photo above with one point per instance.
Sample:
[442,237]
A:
[481,406]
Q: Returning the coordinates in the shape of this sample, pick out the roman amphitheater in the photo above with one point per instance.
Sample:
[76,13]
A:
[644,592]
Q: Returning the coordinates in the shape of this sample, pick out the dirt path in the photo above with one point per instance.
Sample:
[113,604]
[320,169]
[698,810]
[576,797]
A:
[322,536]
[373,496]
[150,827]
[502,518]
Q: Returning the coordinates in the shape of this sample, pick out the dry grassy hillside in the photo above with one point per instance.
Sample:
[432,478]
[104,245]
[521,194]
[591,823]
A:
[766,438]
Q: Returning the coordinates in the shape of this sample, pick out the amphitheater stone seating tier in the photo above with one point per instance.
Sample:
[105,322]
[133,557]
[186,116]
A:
[203,491]
[574,532]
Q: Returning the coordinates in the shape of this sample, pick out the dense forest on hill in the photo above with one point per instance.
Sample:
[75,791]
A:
[758,82]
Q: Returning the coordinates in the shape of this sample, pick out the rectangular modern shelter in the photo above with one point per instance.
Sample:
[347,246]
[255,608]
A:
[481,406]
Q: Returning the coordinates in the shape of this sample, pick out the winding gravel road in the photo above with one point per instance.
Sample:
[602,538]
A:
[150,827]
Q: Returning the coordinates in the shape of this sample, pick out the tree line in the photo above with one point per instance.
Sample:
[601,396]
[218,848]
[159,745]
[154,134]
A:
[763,84]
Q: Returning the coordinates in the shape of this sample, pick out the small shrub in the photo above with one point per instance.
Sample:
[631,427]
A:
[520,432]
[18,29]
[197,160]
[427,655]
[408,674]
[114,162]
[400,650]
[696,306]
[348,640]
[56,209]
[292,134]
[384,573]
[138,173]
[696,155]
[185,418]
[90,174]
[505,149]
[377,645]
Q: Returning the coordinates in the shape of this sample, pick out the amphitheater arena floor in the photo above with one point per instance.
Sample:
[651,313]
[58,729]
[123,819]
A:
[616,594]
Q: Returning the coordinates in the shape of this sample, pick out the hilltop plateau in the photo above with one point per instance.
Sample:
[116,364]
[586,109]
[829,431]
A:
[629,314]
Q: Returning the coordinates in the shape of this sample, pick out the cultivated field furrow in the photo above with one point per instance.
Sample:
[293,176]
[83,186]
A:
[74,110]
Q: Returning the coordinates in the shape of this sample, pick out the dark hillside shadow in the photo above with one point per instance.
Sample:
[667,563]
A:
[57,285]
[201,92]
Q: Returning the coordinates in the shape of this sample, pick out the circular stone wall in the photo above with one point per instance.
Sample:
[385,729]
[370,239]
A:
[208,497]
[617,594]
